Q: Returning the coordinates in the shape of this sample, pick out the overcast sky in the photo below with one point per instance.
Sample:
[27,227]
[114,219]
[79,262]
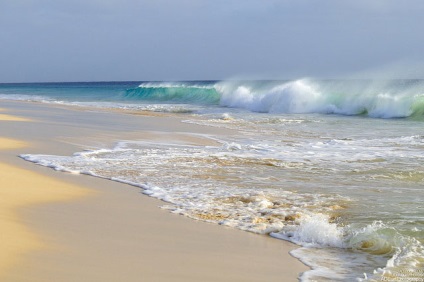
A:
[101,40]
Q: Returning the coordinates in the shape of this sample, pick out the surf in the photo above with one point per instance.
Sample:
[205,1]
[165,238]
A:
[190,93]
[369,98]
[366,98]
[376,99]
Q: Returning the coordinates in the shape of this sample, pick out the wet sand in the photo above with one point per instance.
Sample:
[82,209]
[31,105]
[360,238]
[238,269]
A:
[64,227]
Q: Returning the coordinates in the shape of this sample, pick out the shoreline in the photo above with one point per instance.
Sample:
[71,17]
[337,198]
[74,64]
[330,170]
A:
[117,232]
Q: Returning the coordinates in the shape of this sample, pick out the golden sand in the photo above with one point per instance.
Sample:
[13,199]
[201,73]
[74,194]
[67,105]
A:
[6,143]
[4,117]
[19,188]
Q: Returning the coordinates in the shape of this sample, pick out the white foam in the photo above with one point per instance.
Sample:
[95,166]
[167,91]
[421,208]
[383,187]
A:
[257,209]
[28,98]
[174,85]
[378,99]
[314,231]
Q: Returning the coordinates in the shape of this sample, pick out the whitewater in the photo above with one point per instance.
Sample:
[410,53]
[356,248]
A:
[334,166]
[373,98]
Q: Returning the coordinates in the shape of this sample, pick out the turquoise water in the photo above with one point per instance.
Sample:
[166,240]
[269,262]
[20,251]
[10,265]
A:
[334,166]
[379,99]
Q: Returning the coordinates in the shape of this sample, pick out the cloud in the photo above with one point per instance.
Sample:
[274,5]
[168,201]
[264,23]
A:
[204,39]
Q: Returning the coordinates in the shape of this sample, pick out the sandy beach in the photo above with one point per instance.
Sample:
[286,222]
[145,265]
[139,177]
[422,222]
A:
[64,227]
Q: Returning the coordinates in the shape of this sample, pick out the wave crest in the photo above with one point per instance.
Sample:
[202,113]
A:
[378,99]
[174,93]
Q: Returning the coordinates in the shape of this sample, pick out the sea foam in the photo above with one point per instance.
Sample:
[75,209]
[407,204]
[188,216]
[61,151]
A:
[378,99]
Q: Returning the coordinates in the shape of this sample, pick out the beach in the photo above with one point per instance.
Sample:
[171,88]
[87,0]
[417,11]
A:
[72,227]
[211,141]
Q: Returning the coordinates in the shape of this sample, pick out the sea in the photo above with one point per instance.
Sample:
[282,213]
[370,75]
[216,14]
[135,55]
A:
[334,166]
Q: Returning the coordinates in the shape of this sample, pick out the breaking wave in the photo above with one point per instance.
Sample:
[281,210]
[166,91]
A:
[174,93]
[377,99]
[372,98]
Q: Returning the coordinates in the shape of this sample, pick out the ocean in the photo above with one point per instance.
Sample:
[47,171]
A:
[335,166]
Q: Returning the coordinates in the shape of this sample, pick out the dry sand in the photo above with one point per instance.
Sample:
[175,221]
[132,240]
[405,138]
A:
[62,227]
[4,117]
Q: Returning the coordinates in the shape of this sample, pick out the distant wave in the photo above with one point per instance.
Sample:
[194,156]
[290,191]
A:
[372,98]
[189,93]
[378,99]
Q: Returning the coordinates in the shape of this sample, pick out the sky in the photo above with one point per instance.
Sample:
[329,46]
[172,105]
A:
[141,40]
